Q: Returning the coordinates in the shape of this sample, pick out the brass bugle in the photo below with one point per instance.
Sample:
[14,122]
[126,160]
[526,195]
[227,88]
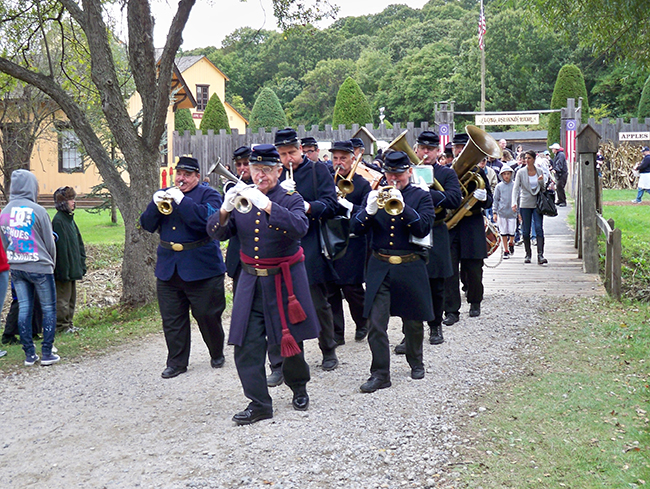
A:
[345,185]
[165,206]
[241,203]
[388,200]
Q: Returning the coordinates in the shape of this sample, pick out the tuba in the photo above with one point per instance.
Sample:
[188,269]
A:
[401,144]
[241,203]
[480,145]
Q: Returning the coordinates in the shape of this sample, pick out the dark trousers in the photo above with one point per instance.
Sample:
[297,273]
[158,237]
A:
[559,188]
[354,295]
[207,301]
[438,298]
[66,301]
[378,335]
[11,323]
[472,270]
[250,356]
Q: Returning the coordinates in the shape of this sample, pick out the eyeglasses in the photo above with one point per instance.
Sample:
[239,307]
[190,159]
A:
[267,170]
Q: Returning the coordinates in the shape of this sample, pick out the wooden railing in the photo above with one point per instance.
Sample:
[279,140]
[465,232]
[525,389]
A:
[612,256]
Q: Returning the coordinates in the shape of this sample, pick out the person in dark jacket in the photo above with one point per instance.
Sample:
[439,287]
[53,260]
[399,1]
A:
[189,270]
[644,175]
[561,171]
[272,304]
[397,282]
[70,257]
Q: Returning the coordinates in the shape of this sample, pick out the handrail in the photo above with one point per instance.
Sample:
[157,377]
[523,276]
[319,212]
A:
[612,256]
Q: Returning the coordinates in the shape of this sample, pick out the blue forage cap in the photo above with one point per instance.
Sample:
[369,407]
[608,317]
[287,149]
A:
[645,148]
[264,154]
[309,141]
[357,143]
[285,137]
[428,138]
[342,146]
[396,162]
[460,138]
[188,163]
[241,152]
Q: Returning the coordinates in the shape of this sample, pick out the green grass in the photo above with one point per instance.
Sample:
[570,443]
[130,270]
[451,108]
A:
[579,416]
[619,195]
[100,331]
[98,228]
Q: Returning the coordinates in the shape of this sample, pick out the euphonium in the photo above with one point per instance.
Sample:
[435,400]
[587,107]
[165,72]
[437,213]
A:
[241,203]
[480,145]
[345,185]
[165,206]
[388,200]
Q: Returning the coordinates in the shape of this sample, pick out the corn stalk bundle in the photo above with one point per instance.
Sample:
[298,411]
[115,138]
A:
[617,165]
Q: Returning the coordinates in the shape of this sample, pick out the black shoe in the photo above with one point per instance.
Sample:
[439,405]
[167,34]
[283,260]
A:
[250,416]
[339,341]
[450,319]
[475,309]
[527,259]
[563,204]
[275,379]
[330,362]
[218,362]
[541,260]
[401,348]
[361,334]
[511,248]
[171,372]
[417,373]
[435,336]
[300,402]
[10,340]
[373,384]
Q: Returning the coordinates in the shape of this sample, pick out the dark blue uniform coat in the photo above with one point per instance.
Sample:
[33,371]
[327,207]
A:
[351,267]
[323,206]
[410,295]
[233,264]
[269,236]
[186,224]
[439,265]
[472,228]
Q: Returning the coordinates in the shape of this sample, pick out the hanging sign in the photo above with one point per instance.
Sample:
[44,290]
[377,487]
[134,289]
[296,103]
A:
[634,136]
[507,119]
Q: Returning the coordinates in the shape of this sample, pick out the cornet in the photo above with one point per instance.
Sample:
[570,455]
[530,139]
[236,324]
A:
[345,185]
[389,201]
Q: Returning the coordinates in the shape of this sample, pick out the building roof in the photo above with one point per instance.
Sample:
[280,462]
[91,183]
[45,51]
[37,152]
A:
[186,62]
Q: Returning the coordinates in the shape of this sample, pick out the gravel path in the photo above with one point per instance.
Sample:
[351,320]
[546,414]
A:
[113,422]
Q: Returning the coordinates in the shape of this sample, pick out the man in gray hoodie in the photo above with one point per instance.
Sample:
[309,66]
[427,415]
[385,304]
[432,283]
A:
[29,242]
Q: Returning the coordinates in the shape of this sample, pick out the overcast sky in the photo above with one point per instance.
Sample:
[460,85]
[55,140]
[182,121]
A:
[211,20]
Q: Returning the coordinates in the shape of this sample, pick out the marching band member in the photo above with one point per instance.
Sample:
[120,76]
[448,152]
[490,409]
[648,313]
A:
[272,303]
[351,266]
[397,282]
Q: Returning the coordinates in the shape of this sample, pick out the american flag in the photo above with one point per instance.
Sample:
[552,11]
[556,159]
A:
[443,130]
[571,126]
[482,27]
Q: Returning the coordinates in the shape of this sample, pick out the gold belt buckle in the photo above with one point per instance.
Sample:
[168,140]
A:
[395,260]
[262,272]
[177,246]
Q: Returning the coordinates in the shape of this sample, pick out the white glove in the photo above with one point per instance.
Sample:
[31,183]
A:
[289,185]
[159,196]
[398,195]
[176,194]
[371,203]
[255,197]
[347,204]
[229,199]
[307,207]
[480,194]
[422,184]
[240,185]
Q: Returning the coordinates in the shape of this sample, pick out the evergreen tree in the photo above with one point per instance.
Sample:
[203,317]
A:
[214,116]
[183,122]
[644,103]
[267,111]
[569,84]
[351,106]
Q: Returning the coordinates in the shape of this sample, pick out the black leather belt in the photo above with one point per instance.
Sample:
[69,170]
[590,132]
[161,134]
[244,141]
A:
[397,259]
[260,272]
[184,246]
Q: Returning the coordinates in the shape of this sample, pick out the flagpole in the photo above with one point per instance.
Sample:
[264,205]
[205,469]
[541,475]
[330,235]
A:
[483,69]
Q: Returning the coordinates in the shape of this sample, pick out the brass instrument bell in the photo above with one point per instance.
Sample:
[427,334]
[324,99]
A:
[242,204]
[165,206]
[389,201]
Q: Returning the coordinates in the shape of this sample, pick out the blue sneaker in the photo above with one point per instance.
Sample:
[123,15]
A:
[31,360]
[50,359]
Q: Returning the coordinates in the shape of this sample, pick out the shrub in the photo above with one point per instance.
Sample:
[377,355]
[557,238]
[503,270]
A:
[569,84]
[183,122]
[214,116]
[267,111]
[351,106]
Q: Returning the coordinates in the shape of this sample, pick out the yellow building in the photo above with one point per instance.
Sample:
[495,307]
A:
[56,160]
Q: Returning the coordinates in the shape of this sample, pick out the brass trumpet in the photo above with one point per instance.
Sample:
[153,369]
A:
[242,204]
[165,206]
[389,201]
[345,185]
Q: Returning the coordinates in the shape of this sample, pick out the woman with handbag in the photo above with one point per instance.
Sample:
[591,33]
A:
[529,182]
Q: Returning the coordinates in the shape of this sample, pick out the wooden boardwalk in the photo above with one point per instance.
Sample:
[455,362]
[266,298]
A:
[562,277]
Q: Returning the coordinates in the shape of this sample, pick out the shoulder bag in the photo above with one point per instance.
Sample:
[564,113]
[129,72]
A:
[546,202]
[334,232]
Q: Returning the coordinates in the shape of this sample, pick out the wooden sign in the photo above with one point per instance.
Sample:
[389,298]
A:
[507,119]
[634,136]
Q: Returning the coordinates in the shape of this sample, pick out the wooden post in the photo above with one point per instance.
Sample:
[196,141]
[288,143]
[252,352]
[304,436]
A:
[588,140]
[616,264]
[609,262]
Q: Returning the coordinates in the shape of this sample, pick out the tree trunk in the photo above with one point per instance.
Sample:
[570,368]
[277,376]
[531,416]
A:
[17,147]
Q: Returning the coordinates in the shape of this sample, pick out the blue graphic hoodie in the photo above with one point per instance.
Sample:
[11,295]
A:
[26,227]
